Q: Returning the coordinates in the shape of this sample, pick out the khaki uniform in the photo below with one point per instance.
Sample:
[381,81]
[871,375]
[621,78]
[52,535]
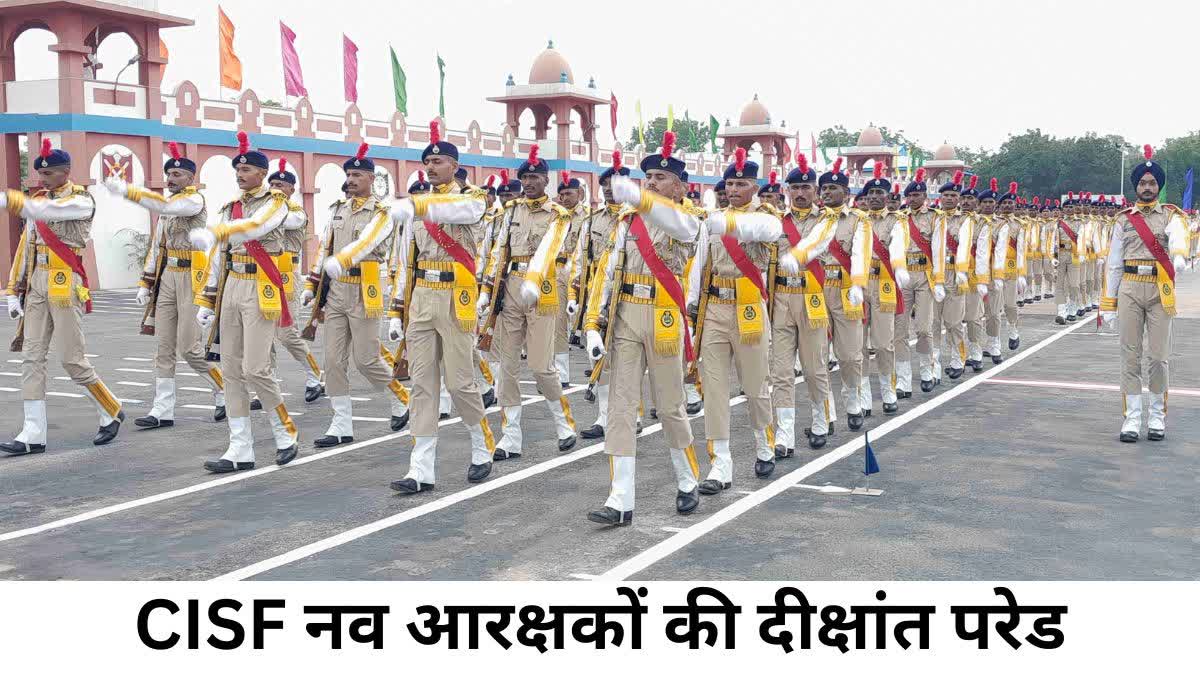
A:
[291,272]
[924,275]
[1008,265]
[1070,259]
[68,213]
[959,228]
[1033,257]
[880,325]
[853,234]
[1049,250]
[564,262]
[980,272]
[594,245]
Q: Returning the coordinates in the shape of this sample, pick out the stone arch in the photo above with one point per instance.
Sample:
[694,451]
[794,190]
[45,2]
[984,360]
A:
[327,188]
[36,37]
[220,185]
[121,230]
[112,49]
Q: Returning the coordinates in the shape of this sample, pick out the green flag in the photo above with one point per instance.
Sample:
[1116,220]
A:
[441,87]
[713,125]
[398,84]
[641,125]
[670,117]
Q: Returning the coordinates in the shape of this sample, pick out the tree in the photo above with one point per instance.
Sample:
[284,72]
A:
[1050,166]
[836,137]
[690,135]
[1176,155]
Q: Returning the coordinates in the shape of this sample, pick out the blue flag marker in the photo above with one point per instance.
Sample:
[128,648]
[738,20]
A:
[871,465]
[1187,189]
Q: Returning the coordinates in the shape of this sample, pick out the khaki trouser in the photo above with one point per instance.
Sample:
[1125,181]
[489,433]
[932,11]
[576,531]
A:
[517,328]
[790,332]
[349,330]
[562,321]
[631,353]
[847,346]
[1002,302]
[1145,327]
[1067,287]
[42,321]
[1049,275]
[918,302]
[952,311]
[1087,280]
[176,327]
[881,329]
[246,339]
[721,346]
[289,338]
[1035,277]
[974,316]
[438,348]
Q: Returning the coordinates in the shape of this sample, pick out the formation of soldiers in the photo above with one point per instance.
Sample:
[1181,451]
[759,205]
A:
[782,279]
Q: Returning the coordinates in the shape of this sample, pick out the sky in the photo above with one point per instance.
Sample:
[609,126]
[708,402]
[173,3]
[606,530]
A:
[968,72]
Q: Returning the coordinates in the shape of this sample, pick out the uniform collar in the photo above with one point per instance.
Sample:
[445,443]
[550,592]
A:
[877,213]
[537,203]
[801,213]
[256,192]
[66,189]
[614,209]
[444,188]
[359,203]
[1153,207]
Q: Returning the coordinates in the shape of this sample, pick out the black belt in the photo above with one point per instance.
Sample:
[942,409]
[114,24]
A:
[639,290]
[436,276]
[918,260]
[950,259]
[561,260]
[295,258]
[722,293]
[179,262]
[790,282]
[243,268]
[1142,270]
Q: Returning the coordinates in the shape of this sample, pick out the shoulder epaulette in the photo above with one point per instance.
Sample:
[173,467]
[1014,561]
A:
[474,191]
[278,194]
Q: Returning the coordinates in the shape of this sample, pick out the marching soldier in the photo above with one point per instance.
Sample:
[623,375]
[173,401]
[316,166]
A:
[799,317]
[889,274]
[436,302]
[895,202]
[979,273]
[570,197]
[1009,274]
[958,227]
[771,193]
[641,294]
[352,262]
[721,196]
[734,265]
[293,243]
[1069,252]
[1050,265]
[243,295]
[1033,247]
[172,275]
[48,293]
[1146,254]
[925,261]
[992,302]
[523,274]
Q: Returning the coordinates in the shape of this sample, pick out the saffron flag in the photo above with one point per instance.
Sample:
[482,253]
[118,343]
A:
[399,84]
[231,65]
[350,69]
[441,87]
[165,56]
[871,466]
[612,113]
[293,78]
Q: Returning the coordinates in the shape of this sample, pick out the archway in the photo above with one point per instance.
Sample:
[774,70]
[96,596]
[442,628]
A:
[116,54]
[30,50]
[327,189]
[120,229]
[220,185]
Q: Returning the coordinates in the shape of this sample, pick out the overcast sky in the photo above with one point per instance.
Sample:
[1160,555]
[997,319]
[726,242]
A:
[970,72]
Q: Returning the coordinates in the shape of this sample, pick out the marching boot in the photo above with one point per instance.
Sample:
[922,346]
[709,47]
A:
[618,508]
[162,412]
[564,424]
[489,398]
[1014,341]
[399,411]
[695,403]
[888,394]
[286,437]
[1060,317]
[785,432]
[256,404]
[601,423]
[927,377]
[997,355]
[240,454]
[483,445]
[764,461]
[1157,426]
[32,439]
[313,389]
[820,427]
[687,471]
[903,379]
[341,427]
[219,405]
[1133,419]
[421,465]
[509,446]
[864,395]
[720,475]
[109,411]
[312,393]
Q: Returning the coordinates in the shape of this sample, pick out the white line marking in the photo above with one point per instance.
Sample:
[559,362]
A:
[15,361]
[133,401]
[61,378]
[136,358]
[9,389]
[676,542]
[134,384]
[202,390]
[187,375]
[63,394]
[11,374]
[371,419]
[584,577]
[92,356]
[197,406]
[133,370]
[825,489]
[359,398]
[669,528]
[233,478]
[1092,386]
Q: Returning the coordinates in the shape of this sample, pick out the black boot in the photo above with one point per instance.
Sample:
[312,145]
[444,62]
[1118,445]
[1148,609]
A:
[816,441]
[764,468]
[610,516]
[890,408]
[653,413]
[926,386]
[1060,321]
[783,453]
[328,441]
[256,404]
[313,393]
[226,466]
[476,473]
[219,413]
[1014,344]
[693,408]
[712,486]
[19,448]
[565,444]
[589,395]
[287,454]
[855,422]
[400,422]
[489,398]
[997,359]
[152,422]
[1156,434]
[900,393]
[1129,437]
[954,373]
[594,431]
[106,433]
[409,486]
[501,455]
[686,502]
[1071,318]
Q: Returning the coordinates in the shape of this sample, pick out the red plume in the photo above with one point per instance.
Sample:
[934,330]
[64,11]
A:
[1101,199]
[668,145]
[895,188]
[958,175]
[504,176]
[920,174]
[243,142]
[46,148]
[974,181]
[837,166]
[802,162]
[1070,195]
[491,181]
[435,132]
[1057,203]
[1148,151]
[772,178]
[282,164]
[616,160]
[993,184]
[1012,188]
[362,151]
[173,148]
[739,159]
[1036,201]
[694,187]
[564,176]
[420,176]
[533,155]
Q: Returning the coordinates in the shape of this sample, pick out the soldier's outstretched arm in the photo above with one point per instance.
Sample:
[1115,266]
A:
[181,204]
[450,209]
[541,264]
[265,219]
[860,253]
[71,207]
[1114,268]
[747,226]
[696,277]
[657,211]
[371,237]
[983,251]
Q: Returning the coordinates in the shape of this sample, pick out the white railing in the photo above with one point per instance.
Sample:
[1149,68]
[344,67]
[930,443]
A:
[31,97]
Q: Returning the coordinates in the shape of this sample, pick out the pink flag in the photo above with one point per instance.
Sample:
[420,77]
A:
[293,79]
[350,63]
[813,156]
[612,112]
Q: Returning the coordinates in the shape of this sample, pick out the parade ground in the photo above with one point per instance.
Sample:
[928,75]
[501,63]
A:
[1012,473]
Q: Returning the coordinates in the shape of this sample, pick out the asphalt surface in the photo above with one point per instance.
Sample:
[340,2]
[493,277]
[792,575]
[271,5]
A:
[1017,476]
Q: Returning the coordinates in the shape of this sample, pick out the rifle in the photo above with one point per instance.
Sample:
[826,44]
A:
[152,306]
[22,289]
[693,374]
[772,274]
[322,296]
[608,325]
[497,299]
[585,275]
[400,369]
[214,336]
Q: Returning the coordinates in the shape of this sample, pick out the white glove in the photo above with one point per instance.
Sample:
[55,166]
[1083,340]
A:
[485,301]
[960,278]
[387,290]
[902,278]
[143,296]
[855,295]
[205,317]
[716,223]
[572,308]
[1109,318]
[999,285]
[528,294]
[332,267]
[202,239]
[116,186]
[1054,262]
[595,343]
[1180,264]
[14,307]
[982,289]
[789,265]
[939,293]
[403,210]
[625,190]
[395,329]
[306,298]
[1022,285]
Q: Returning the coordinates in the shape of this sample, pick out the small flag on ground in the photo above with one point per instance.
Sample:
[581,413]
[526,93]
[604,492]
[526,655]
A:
[870,466]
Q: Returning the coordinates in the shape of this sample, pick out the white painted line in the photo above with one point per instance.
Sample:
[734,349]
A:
[15,361]
[584,577]
[359,398]
[63,394]
[678,541]
[669,528]
[187,375]
[232,478]
[60,378]
[134,384]
[202,390]
[132,401]
[826,489]
[370,419]
[92,356]
[1086,386]
[133,370]
[197,406]
[9,389]
[136,358]
[10,374]
[745,492]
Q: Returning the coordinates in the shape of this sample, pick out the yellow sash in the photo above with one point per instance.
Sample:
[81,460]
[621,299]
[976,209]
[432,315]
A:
[814,302]
[666,323]
[1166,290]
[269,302]
[199,271]
[547,304]
[372,294]
[887,291]
[287,274]
[749,311]
[1010,263]
[59,280]
[466,294]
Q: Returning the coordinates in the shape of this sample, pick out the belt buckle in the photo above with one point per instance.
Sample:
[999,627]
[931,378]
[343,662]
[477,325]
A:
[433,275]
[643,291]
[726,293]
[1145,270]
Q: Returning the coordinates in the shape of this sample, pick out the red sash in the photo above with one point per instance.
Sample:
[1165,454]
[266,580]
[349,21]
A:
[68,256]
[885,259]
[455,249]
[637,227]
[922,243]
[793,234]
[267,265]
[744,264]
[1012,241]
[1143,230]
[1070,233]
[952,244]
[839,254]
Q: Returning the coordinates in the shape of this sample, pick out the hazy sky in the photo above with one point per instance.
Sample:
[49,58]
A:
[969,71]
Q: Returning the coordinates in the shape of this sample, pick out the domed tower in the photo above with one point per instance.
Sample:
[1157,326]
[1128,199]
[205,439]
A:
[551,93]
[755,126]
[869,148]
[943,165]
